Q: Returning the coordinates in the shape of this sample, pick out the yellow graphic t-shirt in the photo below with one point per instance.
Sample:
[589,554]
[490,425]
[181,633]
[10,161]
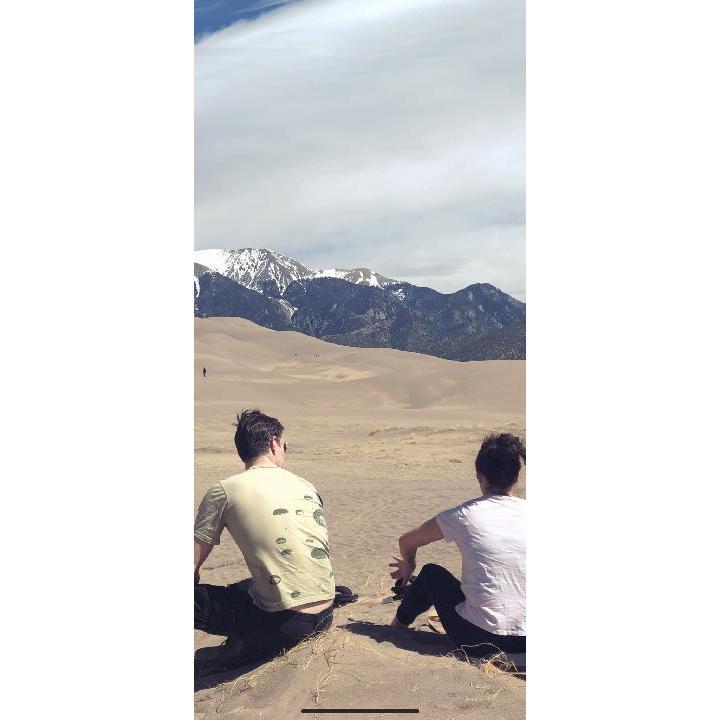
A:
[276,519]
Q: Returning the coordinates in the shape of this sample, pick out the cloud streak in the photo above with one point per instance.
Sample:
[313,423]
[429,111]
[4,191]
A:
[385,134]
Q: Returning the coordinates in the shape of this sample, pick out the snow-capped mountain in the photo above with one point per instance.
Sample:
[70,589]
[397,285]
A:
[270,273]
[358,307]
[261,270]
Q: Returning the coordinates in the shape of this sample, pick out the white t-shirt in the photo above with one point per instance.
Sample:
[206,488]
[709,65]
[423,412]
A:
[490,533]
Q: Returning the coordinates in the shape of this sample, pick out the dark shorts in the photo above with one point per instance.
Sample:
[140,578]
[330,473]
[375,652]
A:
[229,611]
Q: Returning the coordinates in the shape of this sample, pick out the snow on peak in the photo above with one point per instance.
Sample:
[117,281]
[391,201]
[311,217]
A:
[258,269]
[359,276]
[268,271]
[212,259]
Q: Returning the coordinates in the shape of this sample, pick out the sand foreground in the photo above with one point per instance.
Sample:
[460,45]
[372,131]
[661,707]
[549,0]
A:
[389,439]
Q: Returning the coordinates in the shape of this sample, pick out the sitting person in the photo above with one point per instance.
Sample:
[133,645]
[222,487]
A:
[277,521]
[485,612]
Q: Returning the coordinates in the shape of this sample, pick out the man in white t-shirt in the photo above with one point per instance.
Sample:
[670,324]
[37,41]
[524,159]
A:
[484,612]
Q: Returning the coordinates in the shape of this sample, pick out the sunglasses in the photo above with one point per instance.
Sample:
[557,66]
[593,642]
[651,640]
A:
[284,445]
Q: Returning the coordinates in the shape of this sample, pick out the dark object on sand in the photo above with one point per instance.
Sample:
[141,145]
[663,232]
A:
[401,590]
[230,655]
[344,595]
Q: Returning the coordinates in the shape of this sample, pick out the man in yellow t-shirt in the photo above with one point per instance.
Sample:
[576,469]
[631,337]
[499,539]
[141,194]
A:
[276,519]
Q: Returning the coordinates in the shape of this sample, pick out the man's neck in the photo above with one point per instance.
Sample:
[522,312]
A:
[495,491]
[261,462]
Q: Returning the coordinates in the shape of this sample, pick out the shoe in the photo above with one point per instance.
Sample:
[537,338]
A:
[343,596]
[402,590]
[231,654]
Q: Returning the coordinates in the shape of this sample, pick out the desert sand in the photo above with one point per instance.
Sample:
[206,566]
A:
[389,439]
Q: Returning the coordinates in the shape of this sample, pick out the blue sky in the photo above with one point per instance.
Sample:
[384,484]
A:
[213,15]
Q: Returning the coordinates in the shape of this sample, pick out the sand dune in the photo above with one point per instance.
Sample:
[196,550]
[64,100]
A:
[389,439]
[238,352]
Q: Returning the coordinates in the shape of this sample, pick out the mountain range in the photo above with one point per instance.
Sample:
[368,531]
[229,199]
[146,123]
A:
[358,306]
[270,273]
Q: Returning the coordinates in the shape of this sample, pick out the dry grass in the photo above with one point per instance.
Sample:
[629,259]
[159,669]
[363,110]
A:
[384,586]
[321,648]
[330,649]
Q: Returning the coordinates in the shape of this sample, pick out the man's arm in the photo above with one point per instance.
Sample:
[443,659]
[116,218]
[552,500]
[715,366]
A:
[209,524]
[202,550]
[427,533]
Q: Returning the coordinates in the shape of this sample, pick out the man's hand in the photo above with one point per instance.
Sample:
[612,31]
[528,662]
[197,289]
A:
[404,570]
[427,533]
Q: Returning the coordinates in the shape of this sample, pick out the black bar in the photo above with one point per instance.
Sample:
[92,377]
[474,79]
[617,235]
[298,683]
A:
[360,710]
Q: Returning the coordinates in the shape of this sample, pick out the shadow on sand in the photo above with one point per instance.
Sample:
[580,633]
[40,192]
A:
[205,678]
[423,642]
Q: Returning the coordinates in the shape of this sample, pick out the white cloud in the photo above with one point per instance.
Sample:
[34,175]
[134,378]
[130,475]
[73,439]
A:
[380,133]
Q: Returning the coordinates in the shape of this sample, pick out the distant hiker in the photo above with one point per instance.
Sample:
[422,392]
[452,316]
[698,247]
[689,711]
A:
[276,519]
[204,372]
[485,613]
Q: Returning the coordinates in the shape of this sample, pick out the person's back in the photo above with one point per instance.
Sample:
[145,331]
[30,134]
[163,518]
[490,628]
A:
[490,534]
[277,521]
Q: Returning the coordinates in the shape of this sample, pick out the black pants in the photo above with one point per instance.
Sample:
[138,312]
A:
[230,611]
[436,586]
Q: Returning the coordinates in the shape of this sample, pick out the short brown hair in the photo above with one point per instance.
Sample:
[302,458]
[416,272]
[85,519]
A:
[499,460]
[254,433]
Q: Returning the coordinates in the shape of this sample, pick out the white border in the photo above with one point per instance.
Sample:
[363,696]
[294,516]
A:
[622,360]
[97,319]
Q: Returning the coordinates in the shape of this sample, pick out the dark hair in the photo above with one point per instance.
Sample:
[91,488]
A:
[254,433]
[499,460]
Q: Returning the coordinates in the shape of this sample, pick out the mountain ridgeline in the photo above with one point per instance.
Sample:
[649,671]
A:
[360,308]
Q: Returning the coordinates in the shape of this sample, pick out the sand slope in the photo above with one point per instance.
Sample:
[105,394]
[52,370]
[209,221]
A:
[389,439]
[294,370]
